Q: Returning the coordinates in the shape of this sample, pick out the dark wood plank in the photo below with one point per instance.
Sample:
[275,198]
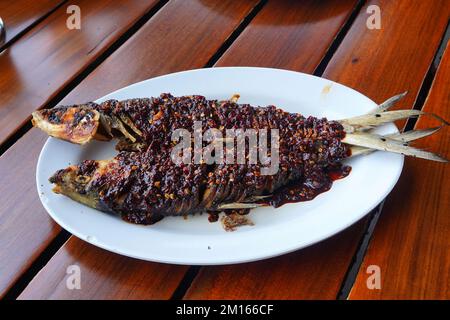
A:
[22,236]
[378,63]
[29,81]
[403,49]
[304,274]
[411,244]
[289,34]
[162,45]
[19,15]
[26,229]
[103,276]
[166,45]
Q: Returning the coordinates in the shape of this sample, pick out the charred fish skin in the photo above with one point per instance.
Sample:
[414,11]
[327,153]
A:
[153,120]
[75,180]
[77,124]
[143,186]
[143,189]
[139,122]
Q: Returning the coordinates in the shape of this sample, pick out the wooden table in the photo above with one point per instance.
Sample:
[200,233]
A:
[44,63]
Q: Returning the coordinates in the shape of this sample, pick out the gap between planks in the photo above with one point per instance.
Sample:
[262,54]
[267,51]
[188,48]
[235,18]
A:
[236,33]
[63,236]
[355,266]
[40,262]
[193,271]
[65,90]
[31,26]
[320,69]
[429,77]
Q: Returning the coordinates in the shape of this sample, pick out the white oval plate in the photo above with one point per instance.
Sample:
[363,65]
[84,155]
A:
[276,231]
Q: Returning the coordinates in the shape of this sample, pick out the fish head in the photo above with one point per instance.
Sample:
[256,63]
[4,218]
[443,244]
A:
[76,182]
[76,124]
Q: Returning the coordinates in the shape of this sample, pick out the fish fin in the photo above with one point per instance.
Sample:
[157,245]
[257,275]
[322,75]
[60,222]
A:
[238,205]
[377,142]
[390,102]
[119,125]
[403,137]
[371,120]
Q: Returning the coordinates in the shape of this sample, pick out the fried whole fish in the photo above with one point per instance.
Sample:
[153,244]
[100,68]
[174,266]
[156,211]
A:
[143,184]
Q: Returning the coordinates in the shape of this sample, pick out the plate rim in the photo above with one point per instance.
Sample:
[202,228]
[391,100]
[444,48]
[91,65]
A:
[229,260]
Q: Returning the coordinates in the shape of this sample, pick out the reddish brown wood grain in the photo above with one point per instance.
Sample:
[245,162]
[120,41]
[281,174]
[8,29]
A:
[394,59]
[25,228]
[373,62]
[411,243]
[103,275]
[289,34]
[314,272]
[296,36]
[326,266]
[22,236]
[183,35]
[164,44]
[36,67]
[18,15]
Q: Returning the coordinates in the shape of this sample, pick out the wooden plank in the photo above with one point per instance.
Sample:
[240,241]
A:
[29,81]
[103,275]
[289,35]
[19,15]
[26,229]
[162,45]
[373,62]
[22,236]
[167,44]
[410,243]
[304,274]
[394,59]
